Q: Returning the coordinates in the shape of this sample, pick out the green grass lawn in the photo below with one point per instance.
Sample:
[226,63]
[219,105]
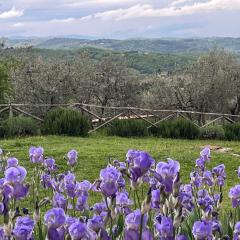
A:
[95,151]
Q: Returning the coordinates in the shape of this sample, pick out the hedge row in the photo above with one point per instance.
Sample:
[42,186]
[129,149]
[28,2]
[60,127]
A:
[179,128]
[19,126]
[58,122]
[62,121]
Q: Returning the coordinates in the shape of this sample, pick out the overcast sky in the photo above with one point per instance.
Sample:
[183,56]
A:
[120,18]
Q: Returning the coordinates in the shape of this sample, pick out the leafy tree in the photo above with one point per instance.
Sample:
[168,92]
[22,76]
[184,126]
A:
[211,84]
[4,83]
[115,83]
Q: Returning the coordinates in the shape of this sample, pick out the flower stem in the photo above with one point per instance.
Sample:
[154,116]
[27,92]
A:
[141,227]
[138,199]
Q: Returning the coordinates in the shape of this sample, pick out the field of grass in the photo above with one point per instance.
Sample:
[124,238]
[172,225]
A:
[95,151]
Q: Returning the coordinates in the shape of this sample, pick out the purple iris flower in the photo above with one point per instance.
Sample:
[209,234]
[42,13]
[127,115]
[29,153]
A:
[236,233]
[12,162]
[186,188]
[121,182]
[133,220]
[46,180]
[234,194]
[82,188]
[2,181]
[131,154]
[139,163]
[15,174]
[216,226]
[70,189]
[36,154]
[205,154]
[59,201]
[181,237]
[186,200]
[219,170]
[121,166]
[72,157]
[216,198]
[13,186]
[1,209]
[58,183]
[155,199]
[58,233]
[49,163]
[23,229]
[204,157]
[25,221]
[82,203]
[70,220]
[20,190]
[200,163]
[123,200]
[2,234]
[153,183]
[220,174]
[70,185]
[204,200]
[167,172]
[164,227]
[54,218]
[95,223]
[132,226]
[220,181]
[207,178]
[196,179]
[79,230]
[109,174]
[202,230]
[131,234]
[7,190]
[109,177]
[99,208]
[69,178]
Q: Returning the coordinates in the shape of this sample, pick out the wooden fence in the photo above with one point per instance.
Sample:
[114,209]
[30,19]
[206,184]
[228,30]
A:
[102,116]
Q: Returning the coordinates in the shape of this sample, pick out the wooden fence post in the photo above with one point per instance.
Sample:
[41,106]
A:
[10,111]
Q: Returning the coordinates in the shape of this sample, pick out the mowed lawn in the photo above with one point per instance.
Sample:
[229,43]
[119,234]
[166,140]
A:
[96,150]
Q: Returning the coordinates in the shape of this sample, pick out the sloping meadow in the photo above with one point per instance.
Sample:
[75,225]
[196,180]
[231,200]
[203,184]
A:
[75,188]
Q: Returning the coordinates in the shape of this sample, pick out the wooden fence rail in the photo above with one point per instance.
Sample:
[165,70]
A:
[104,115]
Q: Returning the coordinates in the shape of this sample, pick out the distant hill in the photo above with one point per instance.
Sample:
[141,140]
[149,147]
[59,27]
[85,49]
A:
[145,63]
[148,56]
[171,46]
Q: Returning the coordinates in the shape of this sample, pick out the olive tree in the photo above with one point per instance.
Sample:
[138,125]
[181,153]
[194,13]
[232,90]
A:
[115,84]
[211,84]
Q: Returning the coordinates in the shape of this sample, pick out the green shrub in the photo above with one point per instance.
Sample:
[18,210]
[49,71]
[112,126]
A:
[179,128]
[232,131]
[19,126]
[1,130]
[164,129]
[69,122]
[212,132]
[128,128]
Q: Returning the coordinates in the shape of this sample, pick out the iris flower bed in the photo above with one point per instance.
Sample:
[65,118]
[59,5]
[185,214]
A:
[141,199]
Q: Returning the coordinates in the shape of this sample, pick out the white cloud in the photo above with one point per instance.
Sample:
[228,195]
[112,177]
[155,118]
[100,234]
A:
[147,10]
[12,13]
[18,24]
[121,18]
[178,2]
[84,3]
[65,20]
